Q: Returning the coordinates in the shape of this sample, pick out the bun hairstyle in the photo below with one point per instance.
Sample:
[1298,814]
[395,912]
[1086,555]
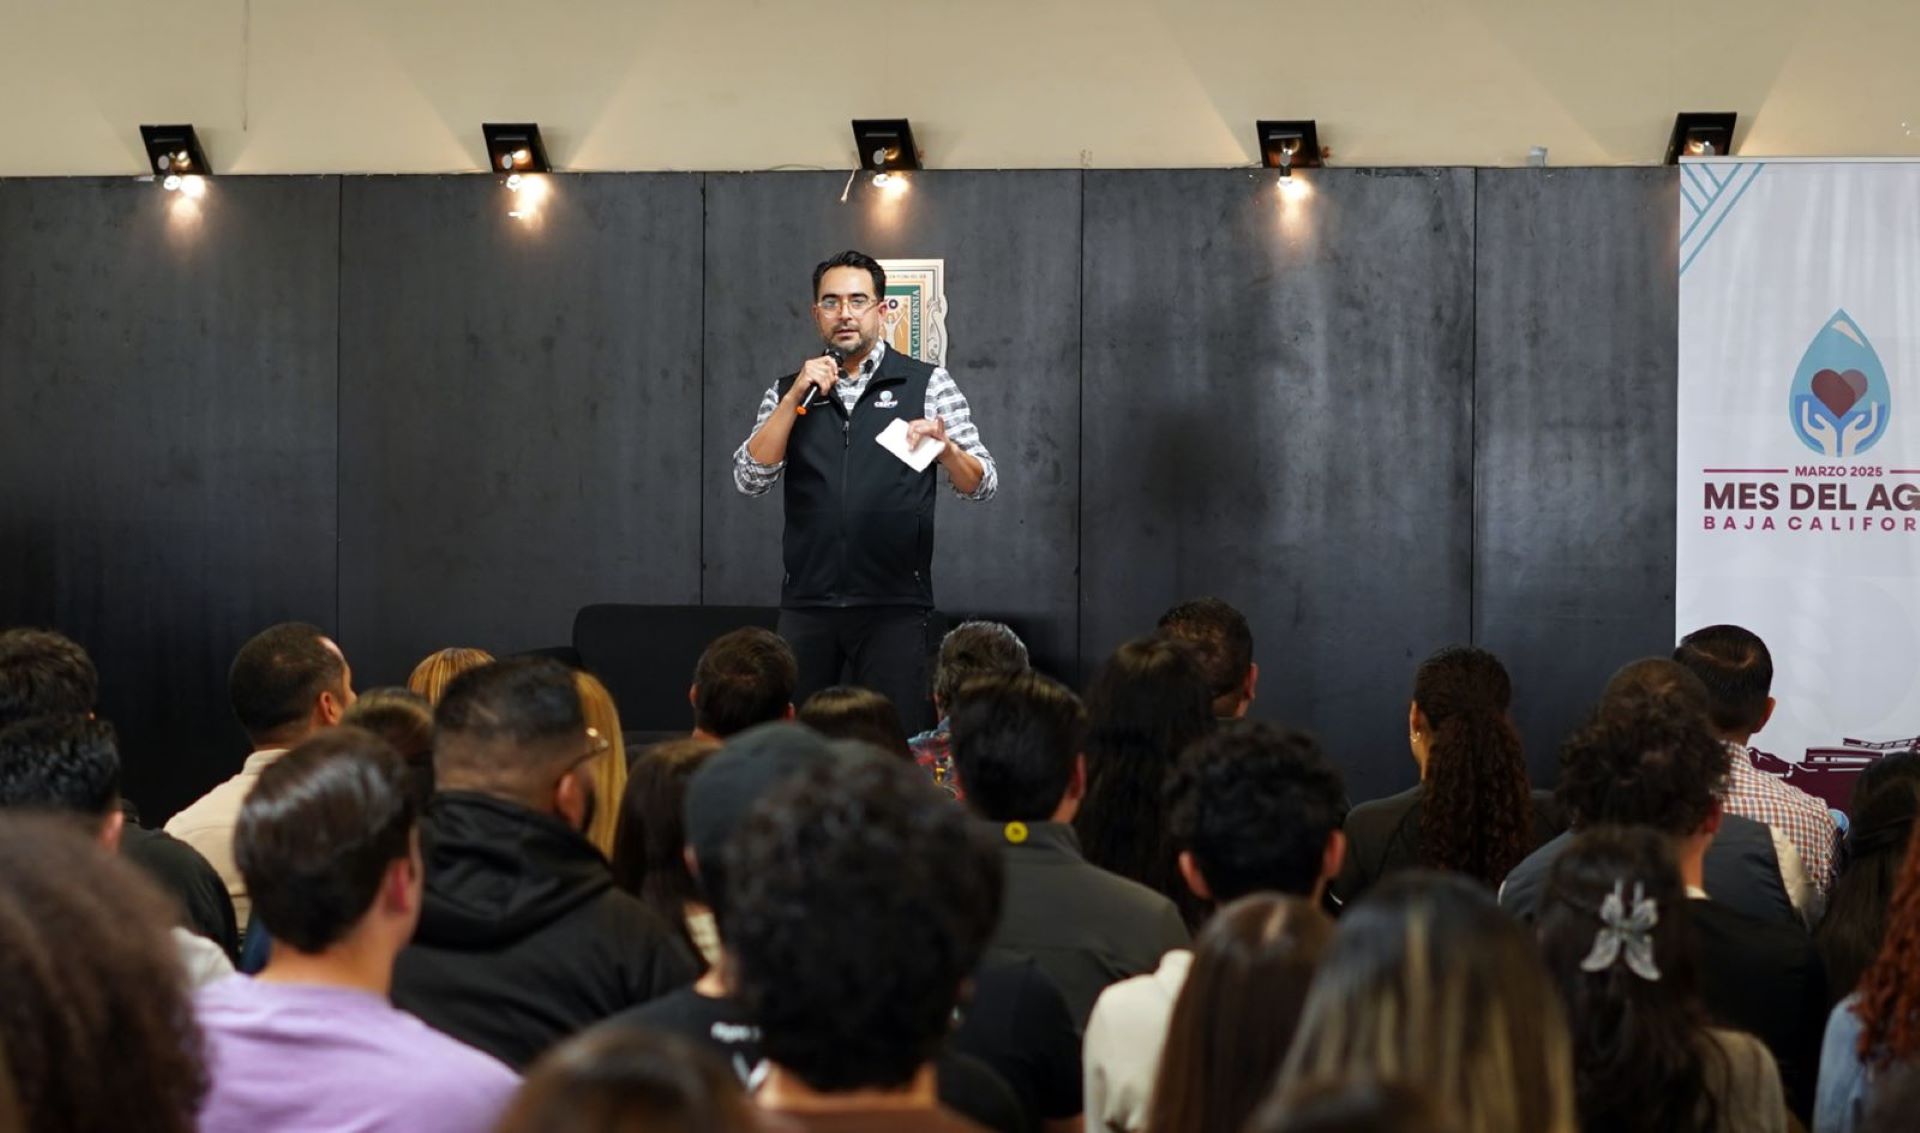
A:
[1477,813]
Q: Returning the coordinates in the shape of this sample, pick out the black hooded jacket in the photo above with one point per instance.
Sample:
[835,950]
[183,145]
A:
[523,939]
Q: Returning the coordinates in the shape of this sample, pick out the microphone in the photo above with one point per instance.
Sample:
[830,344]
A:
[813,397]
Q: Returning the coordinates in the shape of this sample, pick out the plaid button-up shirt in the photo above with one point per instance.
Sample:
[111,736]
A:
[1787,810]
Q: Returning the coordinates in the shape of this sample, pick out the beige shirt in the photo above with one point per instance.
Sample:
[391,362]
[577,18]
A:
[207,825]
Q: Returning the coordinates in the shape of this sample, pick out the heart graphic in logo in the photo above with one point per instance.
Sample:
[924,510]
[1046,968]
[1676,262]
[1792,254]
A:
[1839,392]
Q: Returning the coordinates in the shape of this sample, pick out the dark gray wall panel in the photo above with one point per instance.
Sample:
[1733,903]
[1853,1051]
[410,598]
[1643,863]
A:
[167,424]
[1574,425]
[1011,242]
[519,409]
[1277,412]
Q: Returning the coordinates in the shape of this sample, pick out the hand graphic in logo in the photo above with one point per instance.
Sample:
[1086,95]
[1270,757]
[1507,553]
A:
[1840,402]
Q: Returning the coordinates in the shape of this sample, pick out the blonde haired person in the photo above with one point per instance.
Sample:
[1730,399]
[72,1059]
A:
[610,766]
[436,670]
[1428,982]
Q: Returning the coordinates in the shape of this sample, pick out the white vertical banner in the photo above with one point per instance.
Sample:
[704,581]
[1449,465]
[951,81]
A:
[1799,445]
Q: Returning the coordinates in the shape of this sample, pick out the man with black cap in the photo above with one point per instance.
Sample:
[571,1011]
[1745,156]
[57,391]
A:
[719,798]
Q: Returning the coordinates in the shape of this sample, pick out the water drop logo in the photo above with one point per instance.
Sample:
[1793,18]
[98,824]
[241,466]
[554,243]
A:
[1840,404]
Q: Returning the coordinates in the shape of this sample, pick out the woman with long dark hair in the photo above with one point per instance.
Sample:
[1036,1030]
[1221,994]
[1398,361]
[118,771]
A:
[1150,700]
[1236,1013]
[1427,982]
[649,844]
[1885,800]
[1613,929]
[1873,1036]
[1473,811]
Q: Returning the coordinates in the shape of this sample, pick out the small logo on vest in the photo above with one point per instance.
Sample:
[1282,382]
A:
[886,400]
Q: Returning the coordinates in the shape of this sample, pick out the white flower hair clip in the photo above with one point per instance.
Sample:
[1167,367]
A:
[1625,934]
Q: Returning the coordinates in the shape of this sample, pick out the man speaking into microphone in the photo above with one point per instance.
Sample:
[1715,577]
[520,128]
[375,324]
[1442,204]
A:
[856,600]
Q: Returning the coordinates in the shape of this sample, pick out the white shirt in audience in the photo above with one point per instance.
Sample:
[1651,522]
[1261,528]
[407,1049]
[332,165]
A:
[1124,1038]
[207,825]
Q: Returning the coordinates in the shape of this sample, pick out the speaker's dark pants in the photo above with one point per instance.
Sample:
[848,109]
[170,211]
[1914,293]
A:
[888,649]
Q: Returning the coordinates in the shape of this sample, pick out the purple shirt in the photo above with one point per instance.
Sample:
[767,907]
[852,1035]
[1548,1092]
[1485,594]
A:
[297,1058]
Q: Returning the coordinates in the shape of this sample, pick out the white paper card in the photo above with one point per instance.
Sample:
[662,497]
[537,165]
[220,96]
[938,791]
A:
[893,438]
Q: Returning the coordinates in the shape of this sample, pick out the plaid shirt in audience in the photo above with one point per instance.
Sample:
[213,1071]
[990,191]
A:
[1805,820]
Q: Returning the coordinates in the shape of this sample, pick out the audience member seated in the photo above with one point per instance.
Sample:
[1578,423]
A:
[1737,669]
[650,846]
[1744,869]
[96,1028]
[1357,1105]
[1017,741]
[404,719]
[970,649]
[1652,762]
[523,938]
[744,678]
[286,683]
[1613,927]
[70,766]
[859,903]
[1885,800]
[1427,981]
[328,843]
[437,670]
[1236,1015]
[43,673]
[609,771]
[1253,808]
[1473,811]
[1149,701]
[845,712]
[1224,641]
[630,1082]
[710,1012]
[1873,1036]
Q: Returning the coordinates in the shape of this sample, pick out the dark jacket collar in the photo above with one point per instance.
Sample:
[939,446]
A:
[497,870]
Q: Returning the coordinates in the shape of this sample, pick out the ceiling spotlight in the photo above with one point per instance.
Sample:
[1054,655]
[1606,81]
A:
[173,151]
[1290,145]
[515,148]
[886,151]
[1700,134]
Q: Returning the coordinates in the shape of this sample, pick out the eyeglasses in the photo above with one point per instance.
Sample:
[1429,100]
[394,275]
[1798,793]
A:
[597,744]
[855,304]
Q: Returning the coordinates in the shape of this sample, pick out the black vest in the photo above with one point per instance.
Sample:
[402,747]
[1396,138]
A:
[859,521]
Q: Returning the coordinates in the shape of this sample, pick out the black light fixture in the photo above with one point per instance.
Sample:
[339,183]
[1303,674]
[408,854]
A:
[886,151]
[515,148]
[1289,145]
[1700,134]
[174,154]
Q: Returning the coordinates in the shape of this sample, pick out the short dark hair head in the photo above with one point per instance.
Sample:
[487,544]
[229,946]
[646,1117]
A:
[1638,1058]
[1221,636]
[624,1080]
[976,649]
[1657,678]
[403,718]
[43,673]
[852,259]
[844,712]
[1736,668]
[509,726]
[278,674]
[98,1029]
[862,900]
[1643,761]
[317,833]
[1256,803]
[60,763]
[744,678]
[1015,739]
